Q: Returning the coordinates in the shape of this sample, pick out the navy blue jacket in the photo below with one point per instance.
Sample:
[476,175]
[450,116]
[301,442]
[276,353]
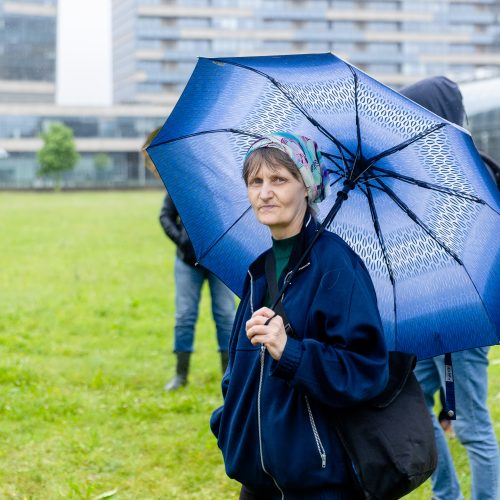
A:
[273,428]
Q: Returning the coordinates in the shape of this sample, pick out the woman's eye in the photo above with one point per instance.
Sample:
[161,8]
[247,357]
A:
[279,180]
[255,182]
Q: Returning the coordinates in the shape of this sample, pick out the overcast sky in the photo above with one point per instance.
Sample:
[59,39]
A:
[84,52]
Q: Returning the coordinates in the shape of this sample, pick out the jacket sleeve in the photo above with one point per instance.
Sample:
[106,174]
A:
[216,417]
[344,360]
[169,221]
[217,414]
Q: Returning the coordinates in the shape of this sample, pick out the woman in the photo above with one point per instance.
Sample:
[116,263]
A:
[281,385]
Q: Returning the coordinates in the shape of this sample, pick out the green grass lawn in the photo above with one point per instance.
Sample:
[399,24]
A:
[86,326]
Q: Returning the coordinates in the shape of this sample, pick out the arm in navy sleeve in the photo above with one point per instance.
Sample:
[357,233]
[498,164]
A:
[345,361]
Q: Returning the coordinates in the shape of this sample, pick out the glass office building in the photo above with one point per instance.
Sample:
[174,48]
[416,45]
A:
[115,133]
[482,104]
[156,42]
[108,139]
[27,50]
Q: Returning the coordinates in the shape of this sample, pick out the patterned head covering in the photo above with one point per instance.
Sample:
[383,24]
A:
[304,153]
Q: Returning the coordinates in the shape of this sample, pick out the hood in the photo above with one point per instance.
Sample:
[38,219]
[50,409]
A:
[439,95]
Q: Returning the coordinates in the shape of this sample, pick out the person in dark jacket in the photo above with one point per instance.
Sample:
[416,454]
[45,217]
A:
[189,279]
[282,385]
[473,426]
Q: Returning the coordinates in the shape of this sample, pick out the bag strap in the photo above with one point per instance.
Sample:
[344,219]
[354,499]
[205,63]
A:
[272,286]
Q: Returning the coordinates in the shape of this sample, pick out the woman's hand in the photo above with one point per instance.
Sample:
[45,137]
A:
[273,335]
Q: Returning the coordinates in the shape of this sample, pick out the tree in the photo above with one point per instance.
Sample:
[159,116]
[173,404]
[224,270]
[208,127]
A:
[101,164]
[58,154]
[101,161]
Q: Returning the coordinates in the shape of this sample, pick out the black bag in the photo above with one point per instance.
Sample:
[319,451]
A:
[390,439]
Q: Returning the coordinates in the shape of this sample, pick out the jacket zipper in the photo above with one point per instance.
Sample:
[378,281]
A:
[251,290]
[290,272]
[261,378]
[262,358]
[319,444]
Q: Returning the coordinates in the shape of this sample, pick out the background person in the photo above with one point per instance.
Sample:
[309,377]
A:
[279,390]
[188,283]
[473,426]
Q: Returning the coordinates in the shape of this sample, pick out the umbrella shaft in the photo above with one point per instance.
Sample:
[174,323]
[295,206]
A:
[341,197]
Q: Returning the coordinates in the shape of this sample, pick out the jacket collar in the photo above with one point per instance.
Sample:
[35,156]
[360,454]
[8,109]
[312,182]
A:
[309,228]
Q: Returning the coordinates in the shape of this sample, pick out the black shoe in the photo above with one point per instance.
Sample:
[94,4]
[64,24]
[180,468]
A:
[181,374]
[176,383]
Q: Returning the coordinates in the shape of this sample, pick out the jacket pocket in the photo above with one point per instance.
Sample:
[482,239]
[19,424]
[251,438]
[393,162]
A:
[297,446]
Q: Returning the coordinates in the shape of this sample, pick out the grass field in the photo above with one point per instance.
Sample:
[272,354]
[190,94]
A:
[86,294]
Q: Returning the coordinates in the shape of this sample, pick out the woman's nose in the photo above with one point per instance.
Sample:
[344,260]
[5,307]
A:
[266,191]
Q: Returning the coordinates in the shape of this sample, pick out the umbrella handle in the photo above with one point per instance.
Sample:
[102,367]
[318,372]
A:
[271,318]
[342,195]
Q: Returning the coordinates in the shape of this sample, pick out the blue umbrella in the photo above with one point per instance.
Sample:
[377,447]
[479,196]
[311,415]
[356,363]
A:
[421,212]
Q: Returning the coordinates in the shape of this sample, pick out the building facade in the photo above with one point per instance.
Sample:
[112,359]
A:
[482,104]
[108,139]
[156,42]
[28,32]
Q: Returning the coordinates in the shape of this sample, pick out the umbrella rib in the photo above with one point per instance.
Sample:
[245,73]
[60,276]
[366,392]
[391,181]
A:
[278,85]
[414,217]
[359,152]
[335,181]
[207,251]
[429,185]
[404,144]
[336,172]
[203,132]
[331,158]
[380,236]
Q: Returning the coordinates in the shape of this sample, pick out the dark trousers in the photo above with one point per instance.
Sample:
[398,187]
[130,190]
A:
[247,494]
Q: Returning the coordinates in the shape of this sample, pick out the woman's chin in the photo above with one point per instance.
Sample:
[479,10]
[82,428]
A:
[267,219]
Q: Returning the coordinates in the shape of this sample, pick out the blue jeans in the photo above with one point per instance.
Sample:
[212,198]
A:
[473,426]
[188,283]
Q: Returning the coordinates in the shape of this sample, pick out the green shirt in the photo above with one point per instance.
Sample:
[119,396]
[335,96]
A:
[282,249]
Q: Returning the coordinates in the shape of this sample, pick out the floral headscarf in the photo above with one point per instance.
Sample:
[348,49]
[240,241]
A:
[304,153]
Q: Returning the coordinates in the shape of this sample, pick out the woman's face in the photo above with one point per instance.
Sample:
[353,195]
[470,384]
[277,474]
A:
[278,199]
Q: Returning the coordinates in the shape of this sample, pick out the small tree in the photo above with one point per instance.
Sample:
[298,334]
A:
[101,164]
[58,153]
[101,161]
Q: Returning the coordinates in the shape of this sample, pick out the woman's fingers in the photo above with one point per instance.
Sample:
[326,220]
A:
[261,317]
[258,319]
[264,311]
[258,339]
[259,329]
[266,328]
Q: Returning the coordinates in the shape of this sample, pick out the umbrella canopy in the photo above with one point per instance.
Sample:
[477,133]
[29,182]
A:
[421,214]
